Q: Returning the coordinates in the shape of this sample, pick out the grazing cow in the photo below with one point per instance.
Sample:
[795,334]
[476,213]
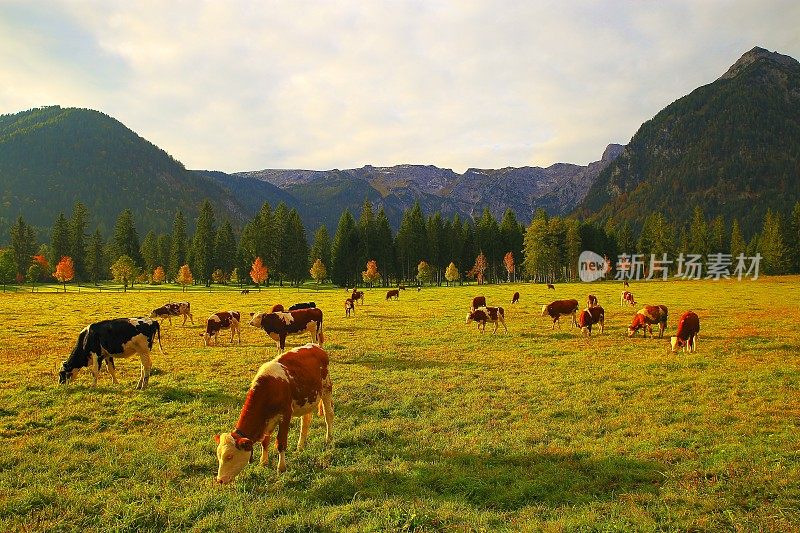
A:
[482,315]
[401,287]
[245,291]
[173,309]
[551,286]
[591,301]
[103,341]
[279,325]
[357,295]
[558,308]
[626,298]
[219,321]
[305,305]
[515,298]
[393,293]
[349,306]
[688,328]
[291,385]
[277,308]
[591,316]
[478,301]
[626,284]
[646,317]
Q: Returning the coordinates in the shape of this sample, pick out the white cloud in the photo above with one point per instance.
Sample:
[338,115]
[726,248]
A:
[248,85]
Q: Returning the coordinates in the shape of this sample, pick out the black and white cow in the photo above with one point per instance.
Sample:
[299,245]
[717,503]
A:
[304,305]
[103,341]
[174,309]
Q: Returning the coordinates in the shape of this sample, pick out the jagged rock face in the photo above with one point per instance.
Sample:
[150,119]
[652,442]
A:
[558,188]
[759,54]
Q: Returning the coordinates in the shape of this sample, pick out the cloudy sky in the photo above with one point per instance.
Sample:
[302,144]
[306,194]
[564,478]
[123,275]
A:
[328,84]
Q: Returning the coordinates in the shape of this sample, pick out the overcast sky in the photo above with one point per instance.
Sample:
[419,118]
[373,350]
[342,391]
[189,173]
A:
[252,85]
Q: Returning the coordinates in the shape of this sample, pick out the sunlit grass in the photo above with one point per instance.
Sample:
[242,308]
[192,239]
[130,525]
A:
[437,426]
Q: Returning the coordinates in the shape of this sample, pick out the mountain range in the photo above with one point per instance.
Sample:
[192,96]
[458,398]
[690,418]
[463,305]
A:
[732,147]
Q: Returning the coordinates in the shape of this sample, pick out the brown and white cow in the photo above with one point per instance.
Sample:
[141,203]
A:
[482,315]
[170,310]
[646,317]
[688,328]
[591,316]
[559,308]
[291,385]
[219,321]
[279,325]
[478,301]
[551,286]
[591,301]
[626,298]
[357,295]
[515,298]
[349,306]
[393,293]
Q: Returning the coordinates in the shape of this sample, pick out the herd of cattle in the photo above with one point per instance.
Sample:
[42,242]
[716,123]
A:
[297,381]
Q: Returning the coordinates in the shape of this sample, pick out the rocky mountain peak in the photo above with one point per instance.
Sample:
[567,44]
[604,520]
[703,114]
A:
[759,54]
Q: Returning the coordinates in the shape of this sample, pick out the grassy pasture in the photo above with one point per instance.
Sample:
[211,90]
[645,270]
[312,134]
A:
[437,427]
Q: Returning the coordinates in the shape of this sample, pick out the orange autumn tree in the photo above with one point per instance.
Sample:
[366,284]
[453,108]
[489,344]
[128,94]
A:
[159,275]
[184,276]
[371,274]
[259,272]
[318,271]
[65,271]
[508,262]
[479,268]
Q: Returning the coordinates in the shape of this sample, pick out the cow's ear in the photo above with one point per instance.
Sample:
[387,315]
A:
[216,438]
[244,444]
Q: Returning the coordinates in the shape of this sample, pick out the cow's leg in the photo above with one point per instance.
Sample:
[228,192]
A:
[503,321]
[170,319]
[327,410]
[94,368]
[312,328]
[184,320]
[305,423]
[602,326]
[265,448]
[112,370]
[283,437]
[147,364]
[282,345]
[495,328]
[191,318]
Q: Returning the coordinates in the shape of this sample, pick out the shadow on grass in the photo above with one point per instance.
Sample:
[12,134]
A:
[182,395]
[501,482]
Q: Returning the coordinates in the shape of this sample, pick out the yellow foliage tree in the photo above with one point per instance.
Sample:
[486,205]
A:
[452,274]
[424,272]
[159,276]
[184,276]
[318,271]
[218,276]
[371,274]
[124,271]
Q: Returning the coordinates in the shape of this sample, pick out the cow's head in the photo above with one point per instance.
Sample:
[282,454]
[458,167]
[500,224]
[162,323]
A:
[206,338]
[544,310]
[233,454]
[65,374]
[676,343]
[470,316]
[154,314]
[256,319]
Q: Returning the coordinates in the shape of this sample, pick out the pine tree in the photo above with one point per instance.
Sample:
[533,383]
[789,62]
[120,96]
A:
[366,233]
[77,238]
[126,239]
[225,248]
[95,258]
[164,241]
[150,251]
[343,256]
[280,264]
[487,237]
[203,244]
[59,240]
[512,234]
[738,244]
[23,245]
[793,238]
[717,239]
[178,246]
[296,248]
[436,245]
[8,270]
[384,246]
[772,245]
[321,249]
[698,234]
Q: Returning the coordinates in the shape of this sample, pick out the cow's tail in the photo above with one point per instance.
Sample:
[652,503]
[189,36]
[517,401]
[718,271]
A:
[320,335]
[158,332]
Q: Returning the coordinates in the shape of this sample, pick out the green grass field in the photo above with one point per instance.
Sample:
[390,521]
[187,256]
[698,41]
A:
[437,427]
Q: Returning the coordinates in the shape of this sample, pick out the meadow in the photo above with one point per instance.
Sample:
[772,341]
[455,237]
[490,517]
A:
[437,427]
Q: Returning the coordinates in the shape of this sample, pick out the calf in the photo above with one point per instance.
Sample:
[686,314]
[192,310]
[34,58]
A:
[551,286]
[219,321]
[478,301]
[393,293]
[357,295]
[173,309]
[482,315]
[626,284]
[558,308]
[305,305]
[279,325]
[245,291]
[103,341]
[688,328]
[291,385]
[401,287]
[591,316]
[515,298]
[646,317]
[591,301]
[349,306]
[626,298]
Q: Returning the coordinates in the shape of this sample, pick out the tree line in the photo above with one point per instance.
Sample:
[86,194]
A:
[273,248]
